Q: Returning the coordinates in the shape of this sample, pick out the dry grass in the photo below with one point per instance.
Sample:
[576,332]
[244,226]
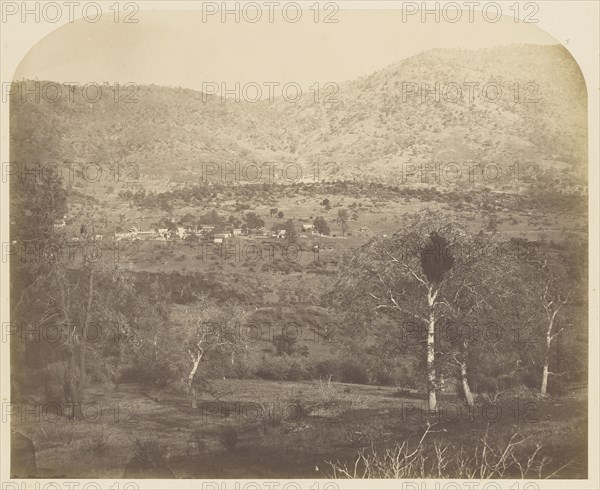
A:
[485,461]
[316,434]
[61,430]
[100,438]
[329,394]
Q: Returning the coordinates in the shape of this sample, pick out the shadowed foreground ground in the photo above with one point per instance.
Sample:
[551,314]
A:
[266,429]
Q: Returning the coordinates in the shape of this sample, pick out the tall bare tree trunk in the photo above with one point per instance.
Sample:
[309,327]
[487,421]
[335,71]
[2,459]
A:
[465,384]
[68,387]
[431,377]
[191,386]
[545,370]
[544,387]
[82,343]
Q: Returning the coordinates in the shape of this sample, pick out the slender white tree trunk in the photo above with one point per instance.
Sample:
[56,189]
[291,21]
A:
[431,378]
[191,386]
[545,370]
[465,384]
[544,378]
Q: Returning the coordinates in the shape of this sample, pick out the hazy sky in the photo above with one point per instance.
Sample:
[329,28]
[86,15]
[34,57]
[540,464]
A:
[177,48]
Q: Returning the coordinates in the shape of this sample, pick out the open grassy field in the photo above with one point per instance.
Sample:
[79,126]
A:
[268,429]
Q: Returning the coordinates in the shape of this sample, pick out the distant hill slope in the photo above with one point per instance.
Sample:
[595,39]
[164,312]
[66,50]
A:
[370,132]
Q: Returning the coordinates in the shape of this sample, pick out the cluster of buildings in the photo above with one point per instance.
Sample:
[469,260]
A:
[179,232]
[206,232]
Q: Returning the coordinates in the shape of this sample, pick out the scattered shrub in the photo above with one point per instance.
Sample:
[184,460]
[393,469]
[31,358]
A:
[556,387]
[327,391]
[149,453]
[51,380]
[198,441]
[486,459]
[383,377]
[353,372]
[60,431]
[326,369]
[100,438]
[160,373]
[229,437]
[284,368]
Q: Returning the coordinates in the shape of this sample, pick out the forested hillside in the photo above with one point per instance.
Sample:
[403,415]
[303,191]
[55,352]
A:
[507,104]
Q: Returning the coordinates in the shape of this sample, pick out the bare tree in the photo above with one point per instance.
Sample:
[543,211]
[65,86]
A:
[554,294]
[488,283]
[431,272]
[212,330]
[406,275]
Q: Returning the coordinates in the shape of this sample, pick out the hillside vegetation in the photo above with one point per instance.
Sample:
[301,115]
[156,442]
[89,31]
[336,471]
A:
[369,127]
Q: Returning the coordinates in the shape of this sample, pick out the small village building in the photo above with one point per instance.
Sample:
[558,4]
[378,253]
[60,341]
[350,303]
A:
[126,235]
[206,229]
[145,234]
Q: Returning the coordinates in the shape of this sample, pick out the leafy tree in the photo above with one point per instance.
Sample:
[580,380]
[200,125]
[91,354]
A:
[192,238]
[492,224]
[212,218]
[253,221]
[343,220]
[235,222]
[321,225]
[168,223]
[290,230]
[187,220]
[35,204]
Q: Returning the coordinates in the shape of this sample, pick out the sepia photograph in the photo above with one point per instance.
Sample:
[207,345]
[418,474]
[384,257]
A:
[288,245]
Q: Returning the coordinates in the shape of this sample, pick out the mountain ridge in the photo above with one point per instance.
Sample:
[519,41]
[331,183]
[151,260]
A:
[376,128]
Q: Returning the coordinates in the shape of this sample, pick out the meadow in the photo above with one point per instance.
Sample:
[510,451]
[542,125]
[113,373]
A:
[269,429]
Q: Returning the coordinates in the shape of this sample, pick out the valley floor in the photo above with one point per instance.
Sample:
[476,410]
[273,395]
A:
[269,429]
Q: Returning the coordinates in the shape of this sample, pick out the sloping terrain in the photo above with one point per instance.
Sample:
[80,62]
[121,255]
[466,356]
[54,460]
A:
[370,127]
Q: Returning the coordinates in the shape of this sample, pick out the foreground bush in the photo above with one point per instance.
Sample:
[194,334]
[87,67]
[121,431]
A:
[284,368]
[486,460]
[229,437]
